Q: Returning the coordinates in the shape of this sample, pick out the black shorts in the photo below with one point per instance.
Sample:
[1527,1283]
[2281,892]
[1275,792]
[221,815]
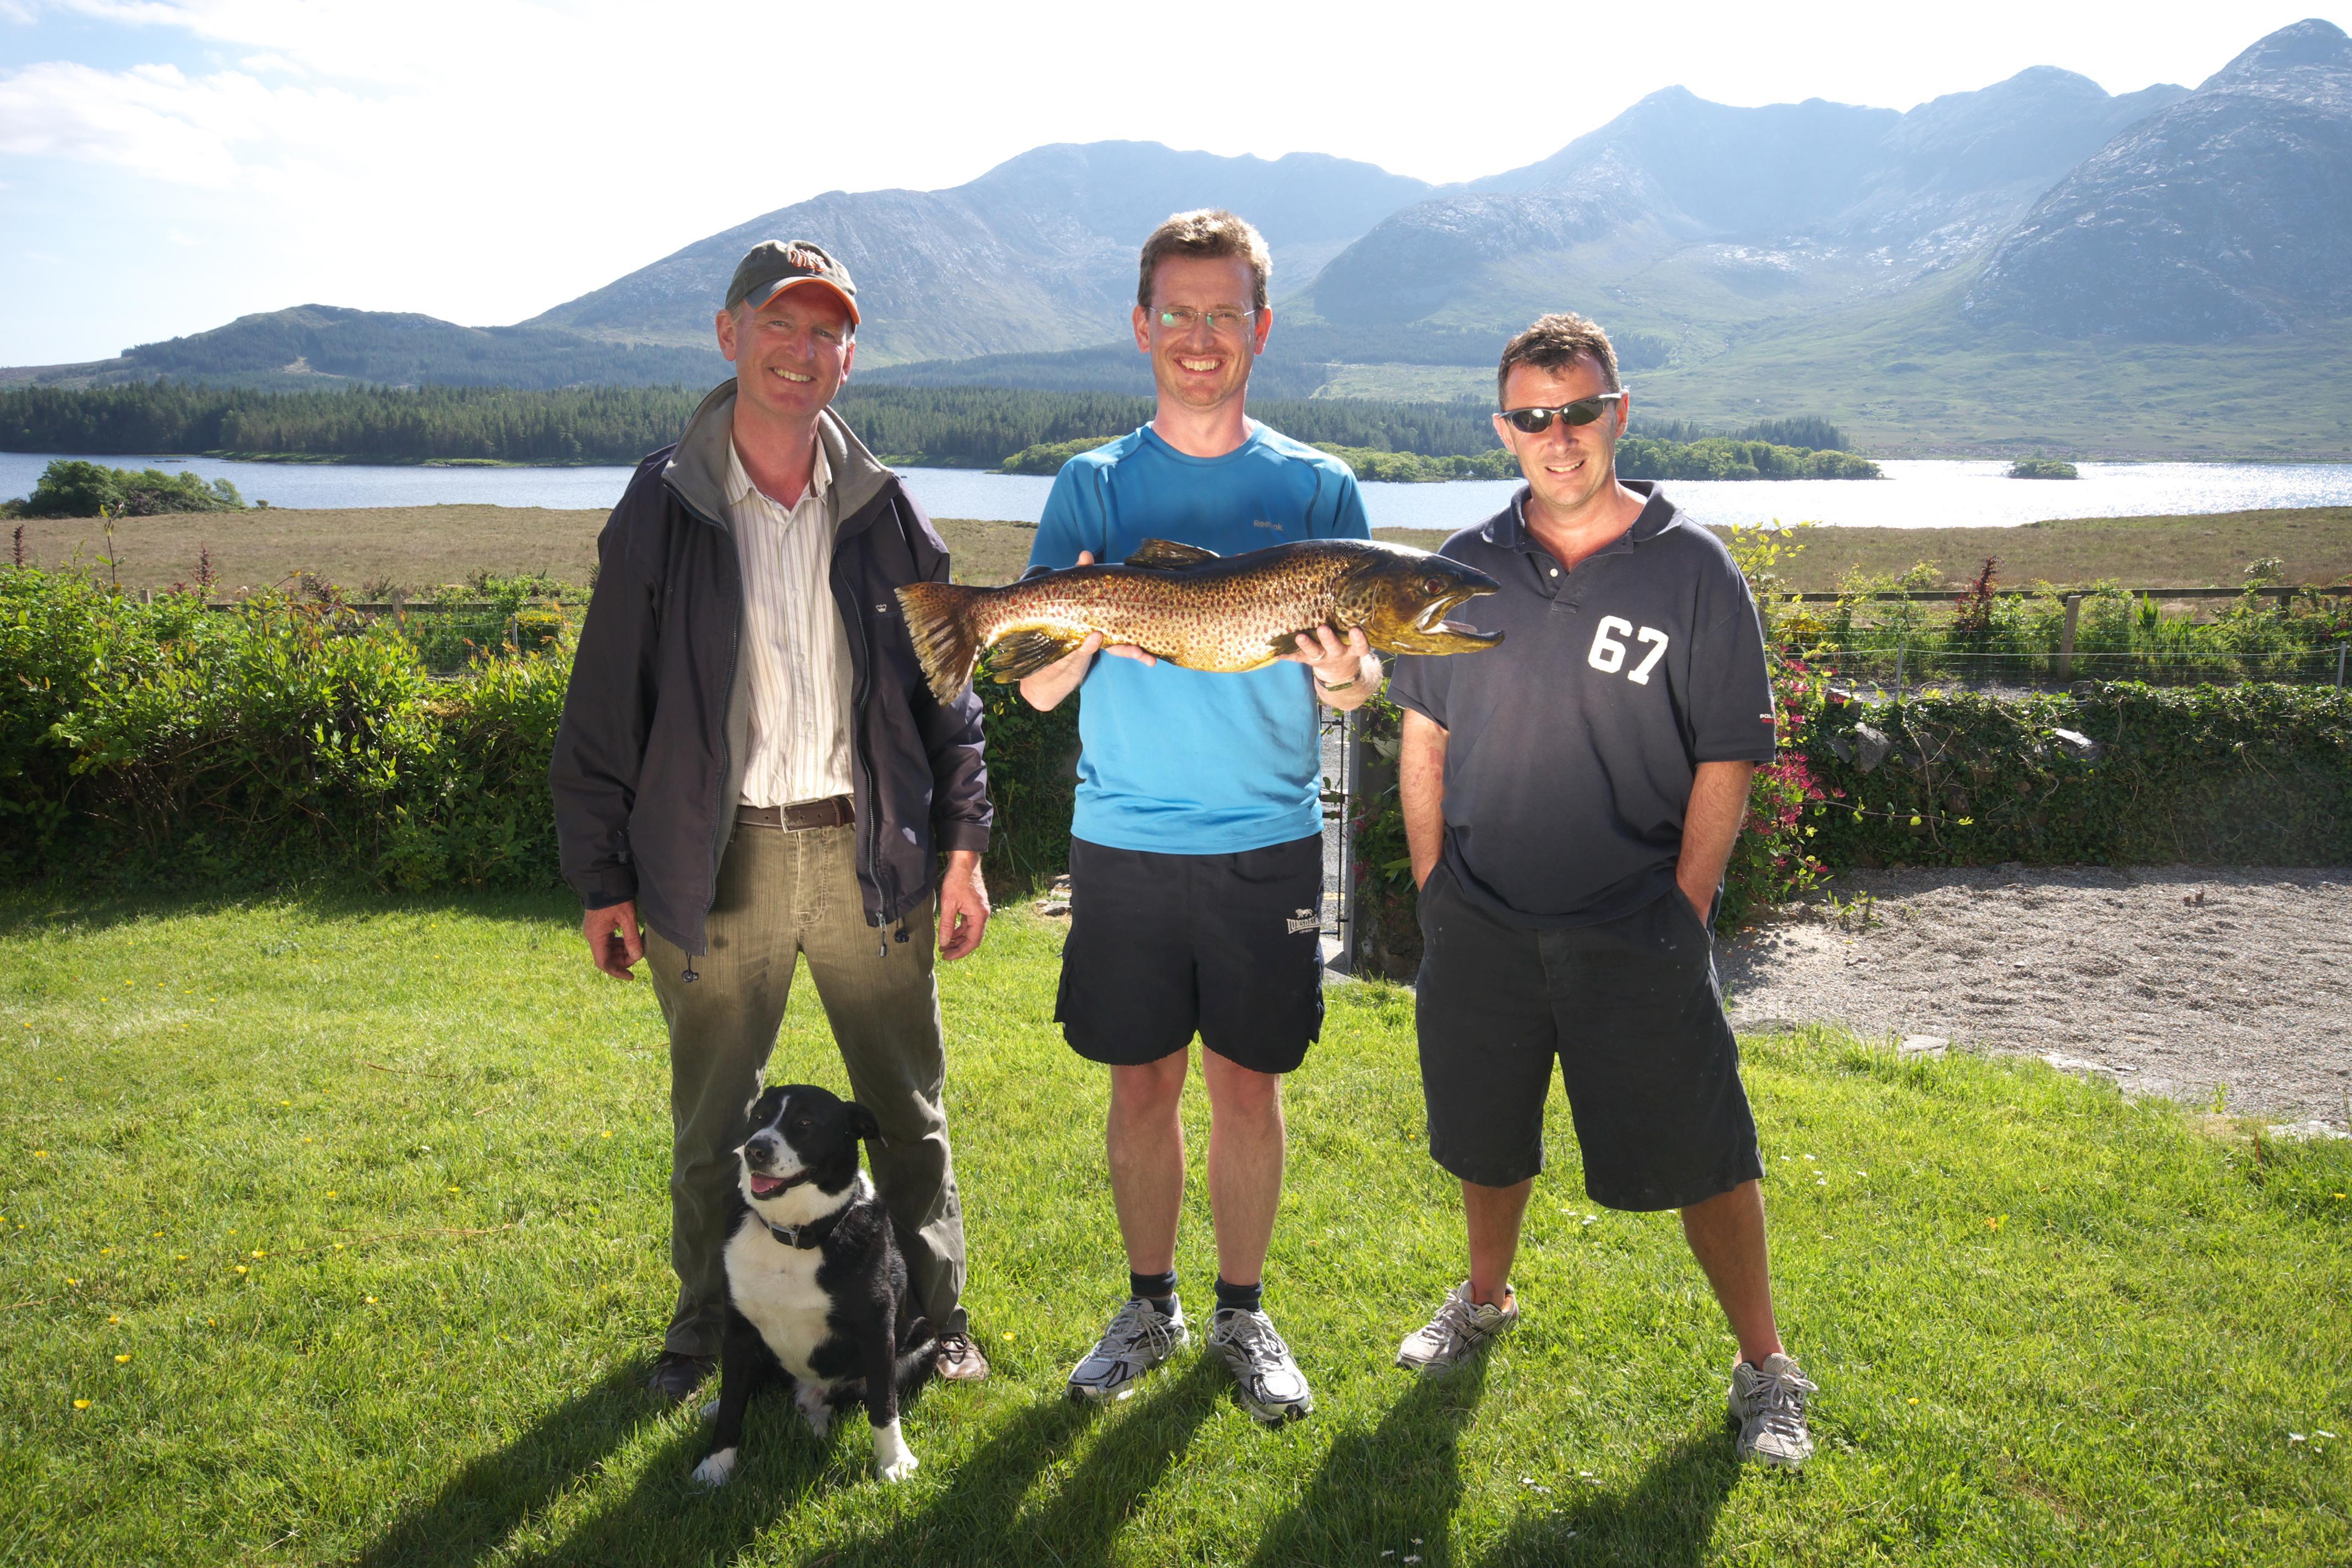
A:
[1163,945]
[1630,1009]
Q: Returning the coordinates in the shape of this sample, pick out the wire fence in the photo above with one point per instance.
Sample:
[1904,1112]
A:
[1906,666]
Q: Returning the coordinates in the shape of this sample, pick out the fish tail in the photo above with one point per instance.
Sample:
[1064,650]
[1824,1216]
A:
[939,617]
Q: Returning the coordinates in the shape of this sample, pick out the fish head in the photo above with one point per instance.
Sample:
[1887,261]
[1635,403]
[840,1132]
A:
[1401,596]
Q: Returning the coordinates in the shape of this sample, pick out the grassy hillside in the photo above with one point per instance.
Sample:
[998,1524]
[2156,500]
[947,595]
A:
[336,1233]
[419,547]
[1912,376]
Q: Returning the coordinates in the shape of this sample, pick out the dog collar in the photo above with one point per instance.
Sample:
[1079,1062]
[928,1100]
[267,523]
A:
[803,1236]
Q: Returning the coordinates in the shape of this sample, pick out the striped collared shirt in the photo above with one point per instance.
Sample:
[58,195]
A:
[798,653]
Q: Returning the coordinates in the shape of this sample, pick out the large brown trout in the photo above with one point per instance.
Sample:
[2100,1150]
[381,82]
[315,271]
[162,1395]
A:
[1197,609]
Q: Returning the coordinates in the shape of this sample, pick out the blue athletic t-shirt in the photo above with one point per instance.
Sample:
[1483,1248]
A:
[1179,761]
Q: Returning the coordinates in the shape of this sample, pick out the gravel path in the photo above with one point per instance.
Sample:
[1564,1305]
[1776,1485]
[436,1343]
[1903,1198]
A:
[2172,980]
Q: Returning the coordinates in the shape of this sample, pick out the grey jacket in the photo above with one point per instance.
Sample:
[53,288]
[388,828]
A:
[650,756]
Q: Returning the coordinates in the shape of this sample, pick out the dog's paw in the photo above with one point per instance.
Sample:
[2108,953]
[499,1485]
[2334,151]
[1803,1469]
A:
[711,1411]
[893,1461]
[714,1471]
[814,1409]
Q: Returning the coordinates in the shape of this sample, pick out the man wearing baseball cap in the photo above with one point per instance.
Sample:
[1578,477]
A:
[751,770]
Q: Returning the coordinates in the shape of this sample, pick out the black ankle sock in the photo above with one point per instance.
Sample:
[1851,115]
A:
[1159,1290]
[1243,1298]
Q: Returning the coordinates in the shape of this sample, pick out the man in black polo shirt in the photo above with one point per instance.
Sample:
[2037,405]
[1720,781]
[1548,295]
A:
[1571,798]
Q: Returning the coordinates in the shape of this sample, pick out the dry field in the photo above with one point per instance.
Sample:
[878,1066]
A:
[2196,552]
[419,547]
[372,549]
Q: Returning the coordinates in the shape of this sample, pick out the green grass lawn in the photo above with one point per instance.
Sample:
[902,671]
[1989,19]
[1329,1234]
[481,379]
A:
[346,1219]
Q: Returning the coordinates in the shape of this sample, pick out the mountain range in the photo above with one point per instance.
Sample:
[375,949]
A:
[2039,264]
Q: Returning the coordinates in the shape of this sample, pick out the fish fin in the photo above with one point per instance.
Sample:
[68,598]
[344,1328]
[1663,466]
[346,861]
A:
[938,619]
[1016,654]
[1167,555]
[1285,644]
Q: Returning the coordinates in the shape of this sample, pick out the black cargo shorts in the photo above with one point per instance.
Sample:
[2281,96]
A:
[1630,1011]
[1162,945]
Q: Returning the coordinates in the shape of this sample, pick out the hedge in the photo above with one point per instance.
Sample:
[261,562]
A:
[2119,773]
[2114,773]
[169,744]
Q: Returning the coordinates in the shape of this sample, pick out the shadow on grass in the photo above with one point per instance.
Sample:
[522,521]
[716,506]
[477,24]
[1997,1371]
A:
[1392,1489]
[1664,1521]
[481,1505]
[669,1518]
[978,1517]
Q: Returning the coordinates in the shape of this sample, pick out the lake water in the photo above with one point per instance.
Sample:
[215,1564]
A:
[1913,495]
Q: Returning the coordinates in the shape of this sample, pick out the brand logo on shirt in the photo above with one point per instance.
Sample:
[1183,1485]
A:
[1261,522]
[1303,921]
[1608,654]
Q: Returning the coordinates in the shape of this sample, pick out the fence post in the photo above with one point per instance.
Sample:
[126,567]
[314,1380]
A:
[2341,650]
[400,610]
[1900,648]
[2066,637]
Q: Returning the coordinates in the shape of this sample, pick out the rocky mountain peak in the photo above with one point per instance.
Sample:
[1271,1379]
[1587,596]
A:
[2310,57]
[2227,215]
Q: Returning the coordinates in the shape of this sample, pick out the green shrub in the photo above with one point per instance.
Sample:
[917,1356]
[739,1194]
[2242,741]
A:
[168,743]
[1046,458]
[1377,465]
[1724,457]
[1032,781]
[2043,469]
[71,488]
[2118,635]
[2125,775]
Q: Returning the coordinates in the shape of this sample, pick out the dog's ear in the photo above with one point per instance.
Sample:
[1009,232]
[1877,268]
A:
[862,1123]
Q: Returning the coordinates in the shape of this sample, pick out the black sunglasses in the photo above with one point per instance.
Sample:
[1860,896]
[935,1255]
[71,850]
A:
[1583,411]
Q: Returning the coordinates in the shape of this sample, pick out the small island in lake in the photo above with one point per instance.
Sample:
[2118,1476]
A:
[2043,469]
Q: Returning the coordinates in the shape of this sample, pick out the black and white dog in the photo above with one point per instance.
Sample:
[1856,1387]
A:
[816,1292]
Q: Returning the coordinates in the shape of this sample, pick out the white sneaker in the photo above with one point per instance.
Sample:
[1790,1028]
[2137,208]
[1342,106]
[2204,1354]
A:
[1272,1387]
[1769,1403]
[1460,1329]
[1140,1338]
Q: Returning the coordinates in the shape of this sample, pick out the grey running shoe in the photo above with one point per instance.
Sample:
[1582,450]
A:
[1140,1338]
[1459,1331]
[1769,1403]
[1272,1387]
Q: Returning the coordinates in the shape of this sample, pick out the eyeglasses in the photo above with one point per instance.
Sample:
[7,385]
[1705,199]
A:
[1583,411]
[1182,319]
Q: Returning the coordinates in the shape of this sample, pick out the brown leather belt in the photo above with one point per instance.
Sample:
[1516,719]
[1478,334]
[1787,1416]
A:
[835,812]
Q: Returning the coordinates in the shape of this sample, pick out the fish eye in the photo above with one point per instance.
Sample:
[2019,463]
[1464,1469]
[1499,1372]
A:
[1433,585]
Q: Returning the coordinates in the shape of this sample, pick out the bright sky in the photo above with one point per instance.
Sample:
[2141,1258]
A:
[168,164]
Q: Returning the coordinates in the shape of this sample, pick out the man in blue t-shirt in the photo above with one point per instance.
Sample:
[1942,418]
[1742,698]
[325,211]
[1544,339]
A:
[1196,856]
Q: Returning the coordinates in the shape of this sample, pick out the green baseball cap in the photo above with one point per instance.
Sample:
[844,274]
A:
[775,265]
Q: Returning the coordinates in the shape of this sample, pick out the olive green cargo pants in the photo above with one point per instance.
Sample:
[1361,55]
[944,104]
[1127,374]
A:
[782,894]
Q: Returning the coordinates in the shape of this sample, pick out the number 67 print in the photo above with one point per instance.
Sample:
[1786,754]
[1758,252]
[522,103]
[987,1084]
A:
[1608,654]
